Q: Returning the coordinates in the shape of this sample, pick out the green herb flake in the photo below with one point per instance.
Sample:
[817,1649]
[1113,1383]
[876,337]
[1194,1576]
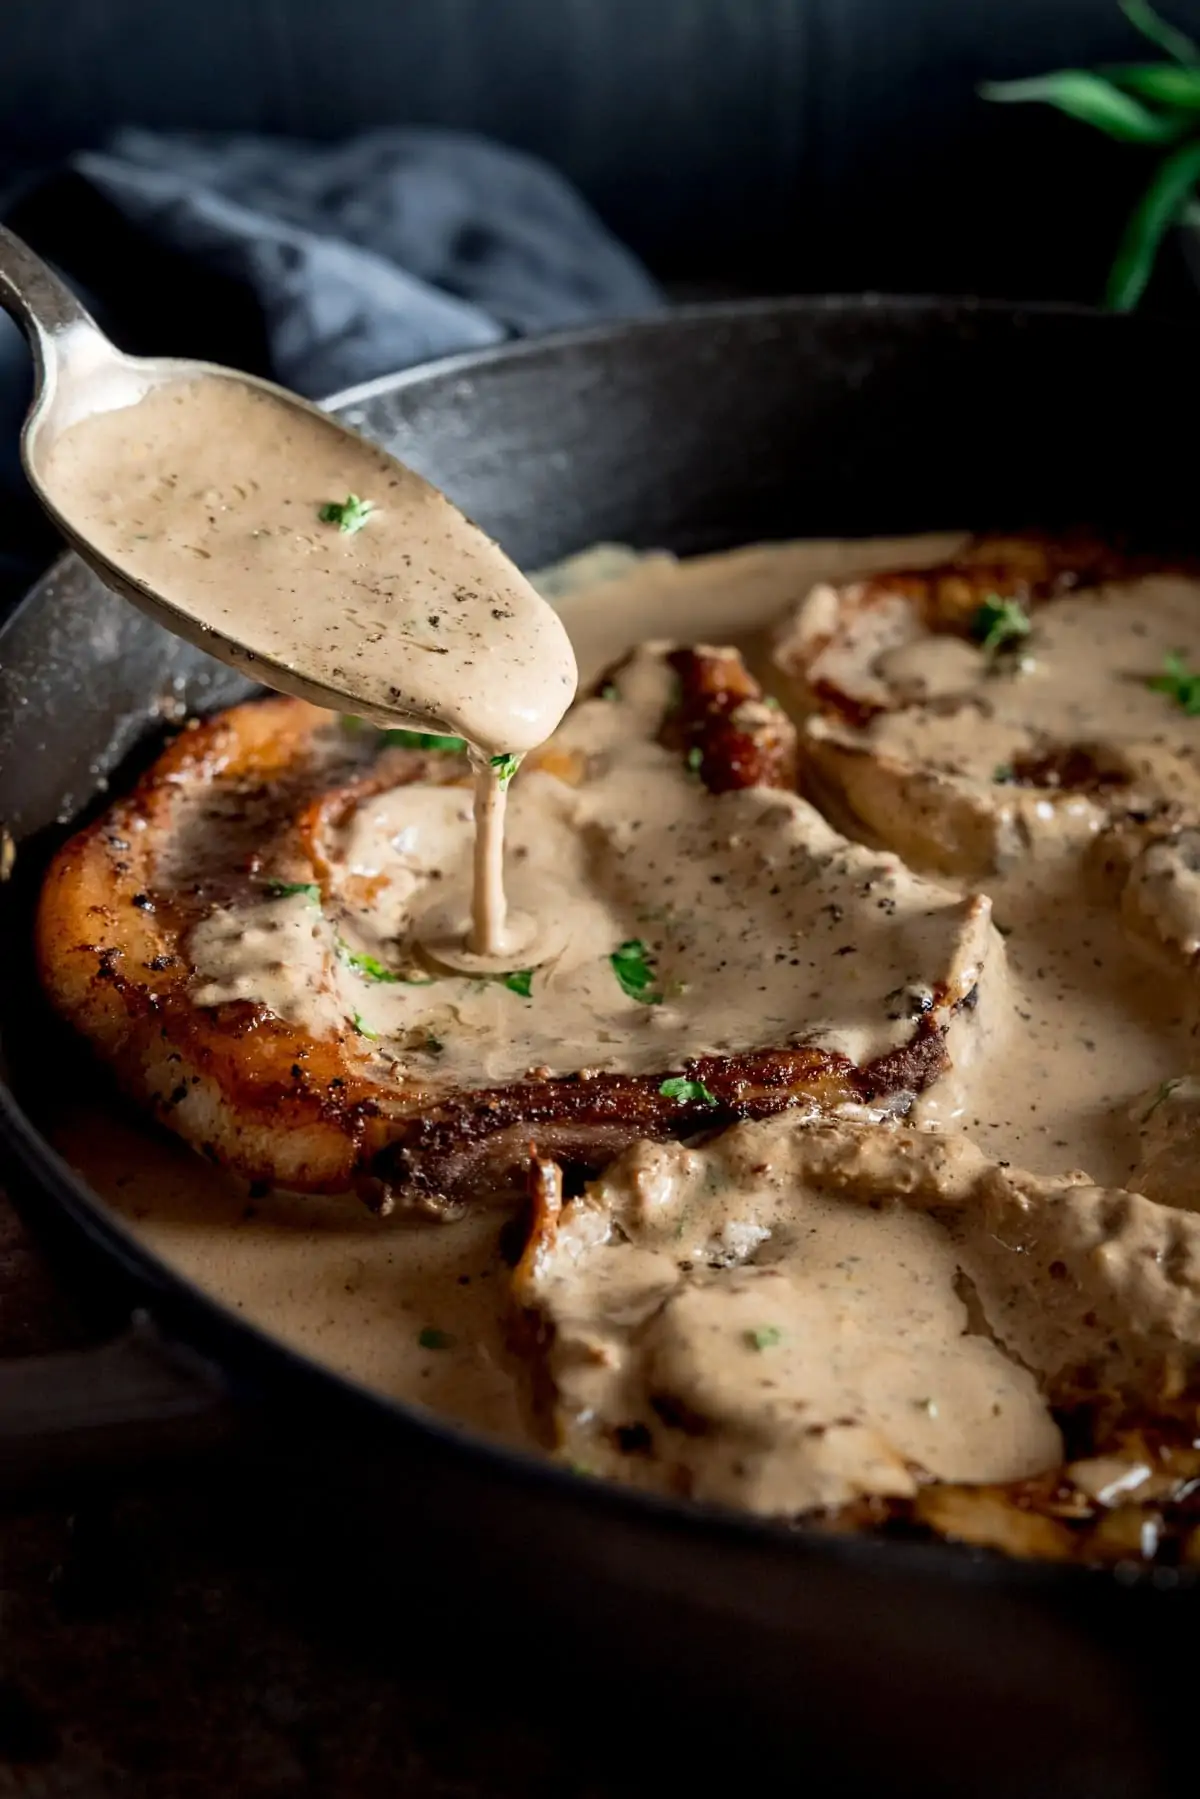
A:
[767,1336]
[431,1338]
[1002,774]
[609,692]
[632,965]
[288,889]
[362,1030]
[425,740]
[364,963]
[581,1468]
[519,981]
[433,1046]
[349,515]
[505,767]
[685,1092]
[695,757]
[999,625]
[1179,683]
[1164,1093]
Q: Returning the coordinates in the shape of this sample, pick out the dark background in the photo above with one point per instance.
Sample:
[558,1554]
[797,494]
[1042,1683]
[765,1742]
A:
[775,143]
[736,145]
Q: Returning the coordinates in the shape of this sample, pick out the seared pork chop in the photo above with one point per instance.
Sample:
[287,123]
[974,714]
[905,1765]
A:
[1010,699]
[805,1314]
[242,939]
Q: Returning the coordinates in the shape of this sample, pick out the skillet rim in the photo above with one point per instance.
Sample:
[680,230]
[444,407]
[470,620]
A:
[207,1326]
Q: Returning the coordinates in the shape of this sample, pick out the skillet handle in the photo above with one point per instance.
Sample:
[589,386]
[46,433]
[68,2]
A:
[96,1415]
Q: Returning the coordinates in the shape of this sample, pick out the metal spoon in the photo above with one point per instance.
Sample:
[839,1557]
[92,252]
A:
[81,374]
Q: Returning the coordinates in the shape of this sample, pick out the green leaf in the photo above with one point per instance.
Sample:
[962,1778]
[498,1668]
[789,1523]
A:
[520,981]
[1158,209]
[1179,683]
[505,767]
[430,1338]
[1143,18]
[1086,96]
[286,889]
[686,1091]
[695,758]
[999,625]
[1162,82]
[361,1029]
[374,970]
[349,515]
[632,965]
[1160,1098]
[765,1337]
[424,740]
[364,963]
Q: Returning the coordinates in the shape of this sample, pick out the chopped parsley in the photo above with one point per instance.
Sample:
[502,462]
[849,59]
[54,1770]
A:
[360,1028]
[1164,1093]
[433,1046]
[1002,773]
[431,1338]
[999,625]
[286,889]
[424,740]
[765,1337]
[1179,683]
[695,757]
[505,767]
[683,1091]
[632,965]
[364,963]
[519,981]
[609,691]
[349,515]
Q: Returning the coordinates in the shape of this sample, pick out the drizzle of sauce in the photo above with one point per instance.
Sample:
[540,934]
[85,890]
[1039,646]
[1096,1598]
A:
[326,561]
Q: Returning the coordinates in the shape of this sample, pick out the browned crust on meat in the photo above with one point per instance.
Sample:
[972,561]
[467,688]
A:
[723,724]
[582,1120]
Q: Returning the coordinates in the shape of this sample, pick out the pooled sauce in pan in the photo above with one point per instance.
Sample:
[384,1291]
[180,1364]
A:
[1082,1051]
[321,554]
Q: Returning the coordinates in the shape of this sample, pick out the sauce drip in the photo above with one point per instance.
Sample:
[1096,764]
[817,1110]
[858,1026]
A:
[326,568]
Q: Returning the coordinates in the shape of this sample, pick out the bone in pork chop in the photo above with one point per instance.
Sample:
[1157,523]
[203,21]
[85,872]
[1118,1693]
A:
[241,939]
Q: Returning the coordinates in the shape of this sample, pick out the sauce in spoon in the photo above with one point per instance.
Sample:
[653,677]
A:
[331,565]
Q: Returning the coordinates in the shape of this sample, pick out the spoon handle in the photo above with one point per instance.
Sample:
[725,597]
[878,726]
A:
[42,305]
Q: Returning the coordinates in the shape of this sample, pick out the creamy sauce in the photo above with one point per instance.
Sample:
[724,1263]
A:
[211,492]
[1078,1031]
[416,1313]
[799,1314]
[757,924]
[1081,675]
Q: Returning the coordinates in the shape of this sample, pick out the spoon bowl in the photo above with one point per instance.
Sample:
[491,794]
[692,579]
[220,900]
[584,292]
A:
[451,571]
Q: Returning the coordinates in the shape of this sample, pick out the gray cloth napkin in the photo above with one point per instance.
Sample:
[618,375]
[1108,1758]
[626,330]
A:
[370,255]
[363,257]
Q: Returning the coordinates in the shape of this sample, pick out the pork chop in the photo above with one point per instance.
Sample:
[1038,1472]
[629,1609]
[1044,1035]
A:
[241,939]
[805,1314]
[1015,698]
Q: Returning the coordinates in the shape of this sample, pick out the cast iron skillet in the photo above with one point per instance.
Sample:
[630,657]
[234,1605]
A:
[929,1667]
